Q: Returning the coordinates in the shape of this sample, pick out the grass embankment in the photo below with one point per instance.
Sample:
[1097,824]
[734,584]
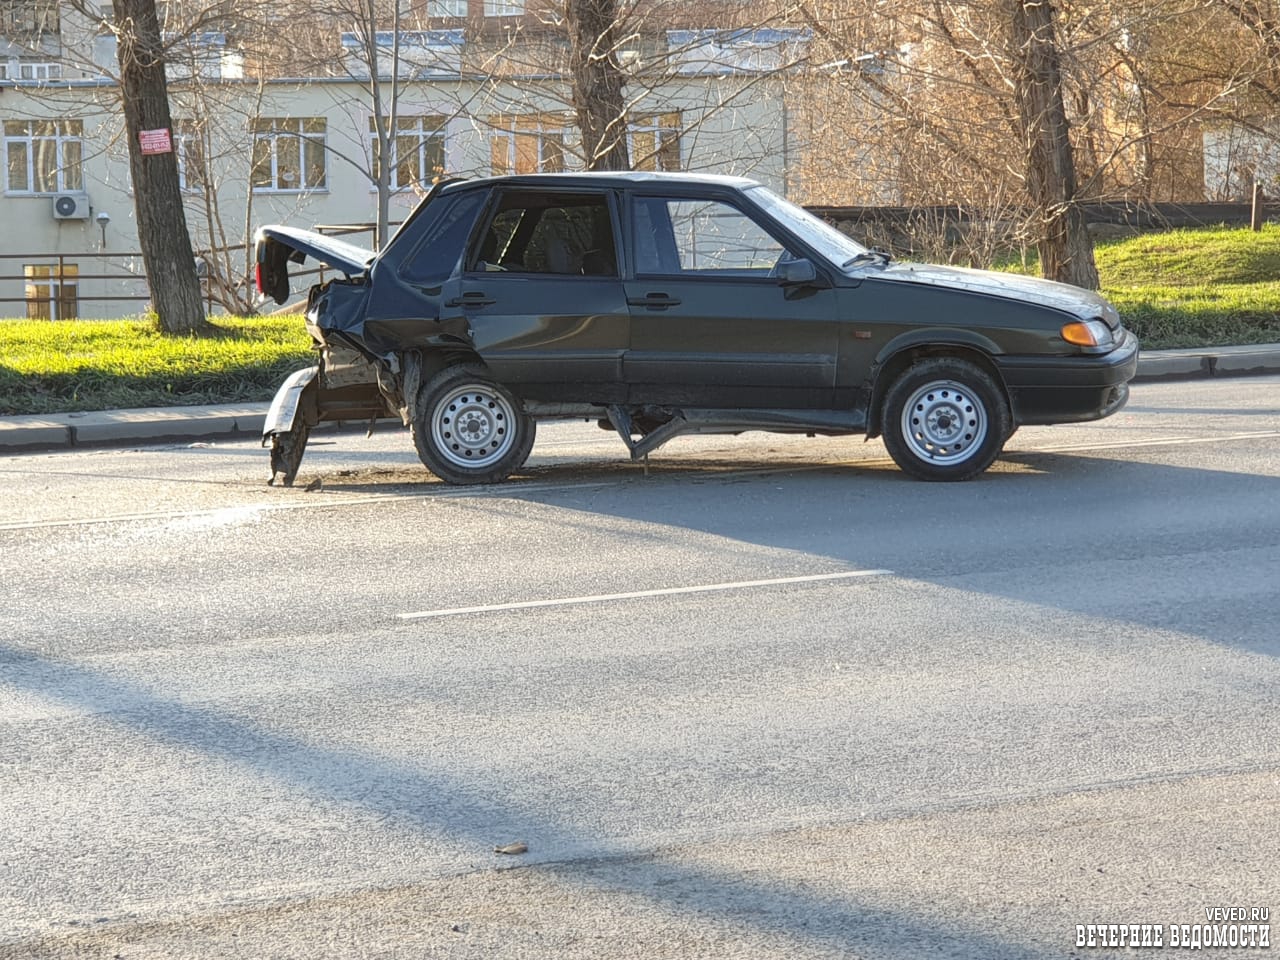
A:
[1195,288]
[109,364]
[1182,288]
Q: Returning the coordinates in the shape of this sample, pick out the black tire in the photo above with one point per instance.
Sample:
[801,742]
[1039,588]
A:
[944,419]
[468,429]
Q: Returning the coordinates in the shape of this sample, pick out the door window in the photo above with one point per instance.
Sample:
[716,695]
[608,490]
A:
[702,238]
[564,234]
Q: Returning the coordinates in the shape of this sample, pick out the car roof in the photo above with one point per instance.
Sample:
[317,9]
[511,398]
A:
[595,178]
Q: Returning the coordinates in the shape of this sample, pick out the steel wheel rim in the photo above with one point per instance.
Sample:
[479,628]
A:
[944,422]
[473,426]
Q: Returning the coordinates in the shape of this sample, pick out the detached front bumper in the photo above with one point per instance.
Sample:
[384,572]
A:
[1070,389]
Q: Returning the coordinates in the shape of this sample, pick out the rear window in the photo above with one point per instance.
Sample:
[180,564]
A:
[437,254]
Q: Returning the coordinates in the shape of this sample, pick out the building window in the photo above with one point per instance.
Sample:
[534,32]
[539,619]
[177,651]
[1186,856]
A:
[288,155]
[655,142]
[411,54]
[43,156]
[28,19]
[417,151]
[527,144]
[446,8]
[761,50]
[188,146]
[39,71]
[52,291]
[504,8]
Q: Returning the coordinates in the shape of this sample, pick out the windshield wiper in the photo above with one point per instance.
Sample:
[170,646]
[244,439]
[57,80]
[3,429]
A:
[880,257]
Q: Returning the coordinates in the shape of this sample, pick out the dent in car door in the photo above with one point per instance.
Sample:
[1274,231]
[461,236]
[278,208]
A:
[711,324]
[543,298]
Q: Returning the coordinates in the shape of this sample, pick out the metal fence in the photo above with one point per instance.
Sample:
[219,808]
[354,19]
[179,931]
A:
[55,285]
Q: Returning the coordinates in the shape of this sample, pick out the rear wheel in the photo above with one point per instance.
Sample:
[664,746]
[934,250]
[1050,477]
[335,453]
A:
[469,429]
[945,419]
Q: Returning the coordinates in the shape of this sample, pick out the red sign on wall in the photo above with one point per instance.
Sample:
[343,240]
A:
[155,141]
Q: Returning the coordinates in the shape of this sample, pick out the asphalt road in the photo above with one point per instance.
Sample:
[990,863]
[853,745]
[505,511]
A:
[771,700]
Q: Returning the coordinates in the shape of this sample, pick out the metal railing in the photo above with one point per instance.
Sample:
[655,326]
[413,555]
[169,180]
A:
[133,283]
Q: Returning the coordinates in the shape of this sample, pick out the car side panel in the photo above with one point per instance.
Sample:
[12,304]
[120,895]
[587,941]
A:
[549,338]
[731,343]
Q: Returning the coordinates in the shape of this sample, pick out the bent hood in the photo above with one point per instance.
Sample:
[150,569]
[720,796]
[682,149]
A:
[1076,301]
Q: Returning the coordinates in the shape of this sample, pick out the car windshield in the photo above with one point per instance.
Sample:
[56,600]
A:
[823,237]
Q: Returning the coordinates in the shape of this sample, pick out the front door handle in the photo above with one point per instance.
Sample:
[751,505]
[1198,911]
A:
[655,301]
[472,299]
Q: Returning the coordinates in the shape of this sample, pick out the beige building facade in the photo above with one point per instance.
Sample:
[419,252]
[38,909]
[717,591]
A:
[302,152]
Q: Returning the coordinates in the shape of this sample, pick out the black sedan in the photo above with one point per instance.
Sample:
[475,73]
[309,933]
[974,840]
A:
[662,304]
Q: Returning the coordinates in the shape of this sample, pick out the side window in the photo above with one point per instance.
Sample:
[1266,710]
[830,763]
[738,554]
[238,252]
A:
[701,237]
[438,252]
[564,234]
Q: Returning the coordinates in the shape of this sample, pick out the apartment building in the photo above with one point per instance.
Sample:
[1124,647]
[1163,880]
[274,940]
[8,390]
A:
[477,88]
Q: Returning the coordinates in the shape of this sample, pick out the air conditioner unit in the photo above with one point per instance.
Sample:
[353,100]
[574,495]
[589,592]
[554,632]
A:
[71,206]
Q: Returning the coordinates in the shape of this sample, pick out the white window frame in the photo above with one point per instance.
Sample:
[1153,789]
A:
[277,133]
[68,177]
[427,128]
[504,8]
[447,8]
[53,290]
[543,129]
[186,139]
[661,132]
[41,72]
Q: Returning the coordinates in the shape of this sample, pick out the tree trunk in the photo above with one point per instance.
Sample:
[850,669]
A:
[167,257]
[1066,249]
[598,81]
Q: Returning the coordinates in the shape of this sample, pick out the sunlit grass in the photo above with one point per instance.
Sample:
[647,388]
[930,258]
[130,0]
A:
[1208,286]
[1178,288]
[49,367]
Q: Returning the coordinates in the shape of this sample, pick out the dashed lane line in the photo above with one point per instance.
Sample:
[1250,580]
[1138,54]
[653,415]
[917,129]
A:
[642,594]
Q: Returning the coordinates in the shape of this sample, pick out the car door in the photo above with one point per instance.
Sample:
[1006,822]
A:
[712,323]
[542,294]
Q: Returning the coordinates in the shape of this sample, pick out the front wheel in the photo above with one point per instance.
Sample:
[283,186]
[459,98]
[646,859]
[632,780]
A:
[469,429]
[945,419]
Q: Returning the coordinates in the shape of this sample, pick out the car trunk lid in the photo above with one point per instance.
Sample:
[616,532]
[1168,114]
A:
[275,247]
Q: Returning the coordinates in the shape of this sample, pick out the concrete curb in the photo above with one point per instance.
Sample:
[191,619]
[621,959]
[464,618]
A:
[51,431]
[1211,362]
[72,430]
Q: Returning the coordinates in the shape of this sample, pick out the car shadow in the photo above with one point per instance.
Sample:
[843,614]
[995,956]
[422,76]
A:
[1086,513]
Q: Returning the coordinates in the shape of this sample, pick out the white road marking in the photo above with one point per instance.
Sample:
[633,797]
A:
[1151,442]
[642,594]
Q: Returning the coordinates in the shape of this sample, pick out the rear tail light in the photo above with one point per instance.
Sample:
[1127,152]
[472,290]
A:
[257,278]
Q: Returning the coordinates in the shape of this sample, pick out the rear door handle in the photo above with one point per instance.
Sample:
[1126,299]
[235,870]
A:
[472,299]
[656,301]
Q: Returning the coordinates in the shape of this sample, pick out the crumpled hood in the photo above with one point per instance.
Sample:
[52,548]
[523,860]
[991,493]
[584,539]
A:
[1077,301]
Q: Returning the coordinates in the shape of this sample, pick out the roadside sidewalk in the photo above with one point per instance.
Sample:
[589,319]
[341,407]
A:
[66,430]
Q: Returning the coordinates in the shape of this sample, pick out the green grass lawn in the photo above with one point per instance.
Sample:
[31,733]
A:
[1181,288]
[1205,287]
[75,365]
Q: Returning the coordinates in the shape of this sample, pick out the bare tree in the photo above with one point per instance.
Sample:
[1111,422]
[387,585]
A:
[1066,250]
[162,224]
[598,82]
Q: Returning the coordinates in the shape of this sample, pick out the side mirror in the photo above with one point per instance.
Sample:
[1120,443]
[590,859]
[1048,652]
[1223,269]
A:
[796,272]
